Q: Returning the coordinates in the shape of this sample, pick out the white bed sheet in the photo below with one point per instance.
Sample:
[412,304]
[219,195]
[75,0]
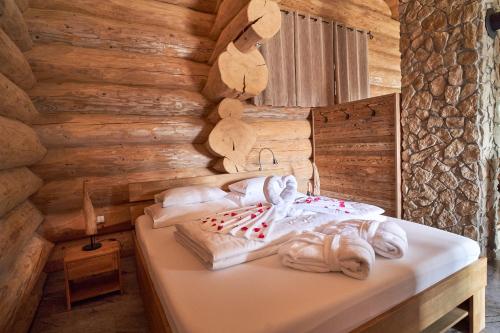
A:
[264,296]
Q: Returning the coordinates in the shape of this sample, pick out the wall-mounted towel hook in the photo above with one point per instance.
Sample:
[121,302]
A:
[370,35]
[325,118]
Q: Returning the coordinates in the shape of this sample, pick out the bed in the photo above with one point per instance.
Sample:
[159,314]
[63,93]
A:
[438,285]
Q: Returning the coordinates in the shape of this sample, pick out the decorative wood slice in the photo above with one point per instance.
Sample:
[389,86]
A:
[12,22]
[15,103]
[236,75]
[13,64]
[258,21]
[227,108]
[20,145]
[232,138]
[227,165]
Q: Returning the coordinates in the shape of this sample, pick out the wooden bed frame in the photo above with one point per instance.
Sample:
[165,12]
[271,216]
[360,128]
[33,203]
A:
[457,301]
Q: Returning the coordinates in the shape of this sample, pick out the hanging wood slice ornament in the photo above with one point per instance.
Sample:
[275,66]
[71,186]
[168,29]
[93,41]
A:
[231,139]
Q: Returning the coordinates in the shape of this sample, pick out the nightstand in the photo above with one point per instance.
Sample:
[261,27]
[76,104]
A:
[91,273]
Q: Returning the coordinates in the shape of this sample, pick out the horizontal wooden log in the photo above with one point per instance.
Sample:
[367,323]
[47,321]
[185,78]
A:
[384,77]
[15,103]
[117,100]
[59,63]
[16,228]
[257,22]
[65,226]
[20,144]
[16,185]
[29,305]
[22,5]
[76,130]
[236,75]
[349,13]
[55,261]
[109,160]
[150,12]
[12,22]
[227,10]
[269,112]
[207,6]
[381,91]
[76,29]
[18,281]
[65,194]
[383,60]
[13,64]
[384,44]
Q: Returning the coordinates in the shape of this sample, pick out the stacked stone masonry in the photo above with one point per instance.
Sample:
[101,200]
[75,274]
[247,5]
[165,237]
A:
[450,156]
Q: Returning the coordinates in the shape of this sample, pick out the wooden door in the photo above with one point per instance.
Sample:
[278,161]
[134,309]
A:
[357,150]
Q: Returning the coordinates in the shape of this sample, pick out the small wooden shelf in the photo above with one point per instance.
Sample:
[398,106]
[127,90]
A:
[447,321]
[92,273]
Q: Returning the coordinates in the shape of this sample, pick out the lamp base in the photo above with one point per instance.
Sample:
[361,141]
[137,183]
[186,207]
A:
[92,246]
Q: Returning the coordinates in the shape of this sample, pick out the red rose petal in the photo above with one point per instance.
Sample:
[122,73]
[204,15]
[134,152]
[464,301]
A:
[233,214]
[259,204]
[261,210]
[253,216]
[219,227]
[221,221]
[264,224]
[244,228]
[256,229]
[213,220]
[213,225]
[262,236]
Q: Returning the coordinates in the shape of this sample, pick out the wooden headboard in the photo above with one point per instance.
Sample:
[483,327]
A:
[143,193]
[356,149]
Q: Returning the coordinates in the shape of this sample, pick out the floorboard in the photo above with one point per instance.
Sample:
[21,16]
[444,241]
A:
[125,314]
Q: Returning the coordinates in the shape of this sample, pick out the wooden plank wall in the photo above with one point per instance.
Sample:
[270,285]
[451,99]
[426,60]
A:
[357,151]
[118,86]
[384,58]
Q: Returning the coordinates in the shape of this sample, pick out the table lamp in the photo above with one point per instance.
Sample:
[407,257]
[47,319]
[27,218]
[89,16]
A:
[90,220]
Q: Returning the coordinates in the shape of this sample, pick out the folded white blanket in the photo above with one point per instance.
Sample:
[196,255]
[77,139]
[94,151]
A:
[388,239]
[317,252]
[218,250]
[337,207]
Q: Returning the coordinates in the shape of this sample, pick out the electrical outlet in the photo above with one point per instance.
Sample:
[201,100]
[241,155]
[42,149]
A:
[100,219]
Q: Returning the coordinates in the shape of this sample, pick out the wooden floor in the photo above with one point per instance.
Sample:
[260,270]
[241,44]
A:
[117,314]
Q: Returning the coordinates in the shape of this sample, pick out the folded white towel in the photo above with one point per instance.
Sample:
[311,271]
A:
[387,238]
[317,252]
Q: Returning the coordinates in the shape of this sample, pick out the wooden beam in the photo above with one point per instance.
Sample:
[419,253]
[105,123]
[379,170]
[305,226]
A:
[207,6]
[148,12]
[16,185]
[77,29]
[20,144]
[23,5]
[13,64]
[257,22]
[117,100]
[15,103]
[16,228]
[226,11]
[12,22]
[18,282]
[58,63]
[236,75]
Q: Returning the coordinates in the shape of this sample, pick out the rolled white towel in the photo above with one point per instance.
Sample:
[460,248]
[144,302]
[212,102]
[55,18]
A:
[387,238]
[317,252]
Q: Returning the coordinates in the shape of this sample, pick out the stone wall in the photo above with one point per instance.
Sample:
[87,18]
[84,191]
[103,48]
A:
[448,106]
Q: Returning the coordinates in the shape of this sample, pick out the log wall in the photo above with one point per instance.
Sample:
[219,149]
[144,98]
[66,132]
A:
[23,252]
[119,90]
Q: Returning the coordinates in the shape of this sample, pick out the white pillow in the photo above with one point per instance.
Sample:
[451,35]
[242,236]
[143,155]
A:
[165,217]
[252,185]
[243,200]
[189,195]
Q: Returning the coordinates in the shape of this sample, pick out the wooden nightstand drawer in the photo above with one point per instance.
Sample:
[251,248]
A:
[91,266]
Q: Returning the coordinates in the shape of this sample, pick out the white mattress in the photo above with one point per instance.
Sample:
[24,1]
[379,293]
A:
[264,296]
